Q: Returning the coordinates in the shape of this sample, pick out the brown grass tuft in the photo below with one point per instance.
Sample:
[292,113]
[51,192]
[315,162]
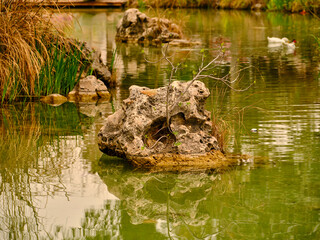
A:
[25,33]
[221,131]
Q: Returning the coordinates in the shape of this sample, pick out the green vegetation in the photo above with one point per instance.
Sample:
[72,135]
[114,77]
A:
[141,4]
[237,4]
[317,39]
[35,56]
[61,71]
[293,5]
[287,5]
[172,3]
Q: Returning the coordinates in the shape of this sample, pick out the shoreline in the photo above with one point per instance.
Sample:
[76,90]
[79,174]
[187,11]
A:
[293,6]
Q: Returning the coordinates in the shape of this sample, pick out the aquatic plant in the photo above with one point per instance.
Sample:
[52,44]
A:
[35,56]
[113,68]
[141,4]
[113,60]
[221,122]
[61,71]
[317,40]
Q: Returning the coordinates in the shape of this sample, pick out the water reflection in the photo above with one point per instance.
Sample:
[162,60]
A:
[173,203]
[242,203]
[45,180]
[243,34]
[55,184]
[97,28]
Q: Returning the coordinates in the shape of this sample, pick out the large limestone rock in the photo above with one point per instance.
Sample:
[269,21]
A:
[138,27]
[138,131]
[89,89]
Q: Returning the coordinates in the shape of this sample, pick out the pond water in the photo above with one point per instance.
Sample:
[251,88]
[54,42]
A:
[56,184]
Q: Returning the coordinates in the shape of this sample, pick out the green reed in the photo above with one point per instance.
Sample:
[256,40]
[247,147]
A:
[279,4]
[61,71]
[113,60]
[58,74]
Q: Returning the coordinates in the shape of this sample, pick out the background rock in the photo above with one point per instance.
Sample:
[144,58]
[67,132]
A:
[89,89]
[138,27]
[98,68]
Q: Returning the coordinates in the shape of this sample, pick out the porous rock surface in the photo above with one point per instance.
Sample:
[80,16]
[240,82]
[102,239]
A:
[89,89]
[138,27]
[137,132]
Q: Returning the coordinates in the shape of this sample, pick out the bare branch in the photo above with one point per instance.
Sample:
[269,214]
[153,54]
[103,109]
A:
[205,70]
[158,141]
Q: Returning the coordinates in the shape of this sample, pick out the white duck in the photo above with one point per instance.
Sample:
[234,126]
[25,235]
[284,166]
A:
[278,40]
[291,45]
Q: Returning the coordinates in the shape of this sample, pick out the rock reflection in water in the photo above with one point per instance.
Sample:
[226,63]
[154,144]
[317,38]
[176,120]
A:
[174,203]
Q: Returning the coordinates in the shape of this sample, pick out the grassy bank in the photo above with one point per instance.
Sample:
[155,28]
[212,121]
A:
[35,56]
[286,5]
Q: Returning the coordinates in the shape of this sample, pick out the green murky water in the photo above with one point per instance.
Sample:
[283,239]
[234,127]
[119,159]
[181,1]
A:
[56,184]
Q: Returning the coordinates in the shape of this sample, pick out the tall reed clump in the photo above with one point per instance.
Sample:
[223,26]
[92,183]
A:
[221,125]
[225,120]
[35,56]
[61,70]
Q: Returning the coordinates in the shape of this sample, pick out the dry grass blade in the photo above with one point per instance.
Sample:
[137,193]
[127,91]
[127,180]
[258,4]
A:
[25,35]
